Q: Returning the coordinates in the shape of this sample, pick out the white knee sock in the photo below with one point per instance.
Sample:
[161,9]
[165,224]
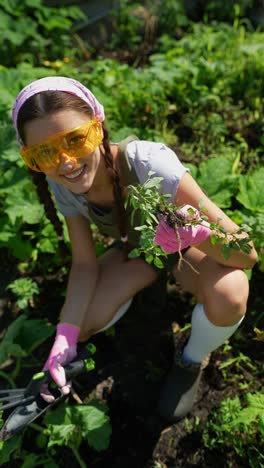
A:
[205,336]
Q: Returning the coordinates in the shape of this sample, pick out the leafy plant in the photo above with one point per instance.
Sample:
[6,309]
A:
[65,426]
[153,206]
[255,220]
[21,338]
[251,193]
[9,447]
[238,426]
[24,290]
[224,185]
[70,425]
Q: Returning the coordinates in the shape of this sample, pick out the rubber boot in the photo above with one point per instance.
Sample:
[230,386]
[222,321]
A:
[180,389]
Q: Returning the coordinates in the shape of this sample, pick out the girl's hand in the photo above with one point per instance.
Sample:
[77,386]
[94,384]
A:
[62,352]
[172,240]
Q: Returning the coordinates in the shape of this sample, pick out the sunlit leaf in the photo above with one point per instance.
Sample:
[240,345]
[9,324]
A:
[251,191]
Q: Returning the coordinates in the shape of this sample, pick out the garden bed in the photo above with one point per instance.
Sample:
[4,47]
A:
[131,364]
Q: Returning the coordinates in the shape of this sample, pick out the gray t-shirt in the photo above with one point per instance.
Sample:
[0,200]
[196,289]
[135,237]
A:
[143,157]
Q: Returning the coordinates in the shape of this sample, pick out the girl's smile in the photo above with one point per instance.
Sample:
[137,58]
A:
[76,175]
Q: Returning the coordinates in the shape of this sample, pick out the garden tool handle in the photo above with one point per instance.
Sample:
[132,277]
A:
[72,369]
[78,367]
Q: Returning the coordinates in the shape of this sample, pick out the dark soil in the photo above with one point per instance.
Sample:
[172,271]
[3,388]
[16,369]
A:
[130,368]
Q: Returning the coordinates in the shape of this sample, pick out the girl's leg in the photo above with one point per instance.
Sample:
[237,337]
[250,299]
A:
[222,294]
[118,282]
[223,290]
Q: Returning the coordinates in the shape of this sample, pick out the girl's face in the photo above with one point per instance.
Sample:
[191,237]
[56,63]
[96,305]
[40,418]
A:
[78,175]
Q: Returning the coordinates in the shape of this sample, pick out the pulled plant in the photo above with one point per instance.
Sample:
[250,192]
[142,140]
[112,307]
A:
[152,208]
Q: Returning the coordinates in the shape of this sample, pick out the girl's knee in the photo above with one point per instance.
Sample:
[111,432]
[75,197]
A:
[227,299]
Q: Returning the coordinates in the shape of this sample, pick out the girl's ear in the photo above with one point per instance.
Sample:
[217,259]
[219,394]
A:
[98,117]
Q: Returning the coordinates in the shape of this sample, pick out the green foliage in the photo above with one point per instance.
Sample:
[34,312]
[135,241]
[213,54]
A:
[69,425]
[32,31]
[128,25]
[251,194]
[24,290]
[12,451]
[216,178]
[9,346]
[9,447]
[23,336]
[136,20]
[25,230]
[143,200]
[65,426]
[238,427]
[144,95]
[217,10]
[255,220]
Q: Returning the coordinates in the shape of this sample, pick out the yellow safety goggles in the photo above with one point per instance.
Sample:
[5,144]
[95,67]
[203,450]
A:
[76,143]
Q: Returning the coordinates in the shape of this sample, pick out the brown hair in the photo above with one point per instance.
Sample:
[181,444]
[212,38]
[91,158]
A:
[42,104]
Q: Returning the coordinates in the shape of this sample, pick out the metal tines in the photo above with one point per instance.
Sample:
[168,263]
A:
[14,397]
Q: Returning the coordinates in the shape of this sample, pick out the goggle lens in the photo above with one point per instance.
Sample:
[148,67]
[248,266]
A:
[77,143]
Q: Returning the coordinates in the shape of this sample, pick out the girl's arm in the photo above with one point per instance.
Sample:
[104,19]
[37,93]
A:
[83,274]
[190,193]
[81,286]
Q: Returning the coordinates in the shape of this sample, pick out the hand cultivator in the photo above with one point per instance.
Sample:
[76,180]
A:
[29,404]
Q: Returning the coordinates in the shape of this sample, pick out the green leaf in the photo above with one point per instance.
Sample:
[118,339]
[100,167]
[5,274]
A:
[216,179]
[153,182]
[47,246]
[226,251]
[252,412]
[95,424]
[134,253]
[149,258]
[158,263]
[191,211]
[33,460]
[65,434]
[214,239]
[256,401]
[261,425]
[233,245]
[9,447]
[251,191]
[20,248]
[7,345]
[33,333]
[23,336]
[24,206]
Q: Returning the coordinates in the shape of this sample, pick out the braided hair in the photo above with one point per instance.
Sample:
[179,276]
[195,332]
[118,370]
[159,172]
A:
[117,189]
[42,104]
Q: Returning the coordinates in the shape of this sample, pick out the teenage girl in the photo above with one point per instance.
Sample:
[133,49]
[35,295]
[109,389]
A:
[60,128]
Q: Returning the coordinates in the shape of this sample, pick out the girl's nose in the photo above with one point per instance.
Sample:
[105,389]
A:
[66,159]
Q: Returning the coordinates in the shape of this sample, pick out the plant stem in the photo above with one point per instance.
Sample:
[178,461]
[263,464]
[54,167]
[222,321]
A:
[16,371]
[37,427]
[78,457]
[4,375]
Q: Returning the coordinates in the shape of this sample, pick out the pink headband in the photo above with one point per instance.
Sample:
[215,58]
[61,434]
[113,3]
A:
[56,83]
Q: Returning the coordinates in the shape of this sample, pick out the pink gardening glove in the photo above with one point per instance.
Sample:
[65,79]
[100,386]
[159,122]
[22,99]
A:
[167,238]
[62,352]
